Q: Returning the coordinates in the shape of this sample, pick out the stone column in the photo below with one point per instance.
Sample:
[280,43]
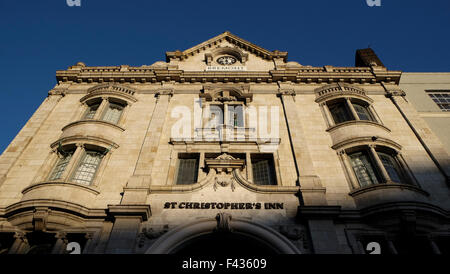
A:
[349,169]
[328,115]
[380,165]
[20,243]
[313,193]
[320,221]
[248,161]
[73,162]
[61,243]
[137,187]
[89,243]
[128,219]
[352,109]
[124,115]
[98,114]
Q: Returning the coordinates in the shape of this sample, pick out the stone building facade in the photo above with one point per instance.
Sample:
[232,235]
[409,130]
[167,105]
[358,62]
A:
[226,147]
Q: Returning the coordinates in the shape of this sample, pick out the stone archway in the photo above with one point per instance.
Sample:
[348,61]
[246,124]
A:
[237,230]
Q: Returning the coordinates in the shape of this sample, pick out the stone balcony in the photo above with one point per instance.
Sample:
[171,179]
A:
[93,128]
[357,130]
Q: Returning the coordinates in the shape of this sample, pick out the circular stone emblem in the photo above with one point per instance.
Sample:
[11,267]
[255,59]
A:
[226,60]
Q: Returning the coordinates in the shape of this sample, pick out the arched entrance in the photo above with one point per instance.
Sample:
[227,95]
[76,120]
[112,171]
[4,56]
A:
[211,237]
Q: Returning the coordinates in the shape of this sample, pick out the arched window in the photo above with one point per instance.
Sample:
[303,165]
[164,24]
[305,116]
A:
[371,165]
[342,103]
[87,167]
[78,163]
[349,109]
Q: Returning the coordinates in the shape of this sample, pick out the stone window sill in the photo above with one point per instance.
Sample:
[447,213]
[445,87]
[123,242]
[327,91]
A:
[91,189]
[387,186]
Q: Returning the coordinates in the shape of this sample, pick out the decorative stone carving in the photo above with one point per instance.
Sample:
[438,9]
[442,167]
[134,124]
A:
[295,234]
[40,219]
[224,179]
[223,222]
[151,234]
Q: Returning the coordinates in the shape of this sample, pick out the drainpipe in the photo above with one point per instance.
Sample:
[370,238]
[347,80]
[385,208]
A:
[300,196]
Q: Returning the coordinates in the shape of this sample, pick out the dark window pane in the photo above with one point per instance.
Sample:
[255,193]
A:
[236,116]
[187,171]
[61,165]
[340,113]
[91,111]
[263,171]
[391,166]
[113,113]
[364,169]
[363,112]
[87,167]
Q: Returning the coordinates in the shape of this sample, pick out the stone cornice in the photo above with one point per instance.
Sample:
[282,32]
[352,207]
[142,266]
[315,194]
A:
[351,75]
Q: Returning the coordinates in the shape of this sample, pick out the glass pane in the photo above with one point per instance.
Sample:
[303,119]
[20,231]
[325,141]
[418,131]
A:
[391,166]
[216,116]
[61,166]
[113,113]
[236,116]
[340,113]
[263,172]
[187,171]
[363,168]
[363,112]
[91,111]
[87,168]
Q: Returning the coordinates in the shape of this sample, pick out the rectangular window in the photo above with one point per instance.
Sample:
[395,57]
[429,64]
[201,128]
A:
[215,115]
[61,165]
[263,169]
[364,169]
[236,115]
[363,112]
[340,112]
[91,111]
[441,98]
[391,166]
[113,113]
[87,168]
[187,170]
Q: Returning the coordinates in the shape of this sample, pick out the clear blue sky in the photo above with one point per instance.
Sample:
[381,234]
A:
[40,37]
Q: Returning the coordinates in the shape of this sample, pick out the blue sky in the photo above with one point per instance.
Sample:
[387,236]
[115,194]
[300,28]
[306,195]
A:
[40,37]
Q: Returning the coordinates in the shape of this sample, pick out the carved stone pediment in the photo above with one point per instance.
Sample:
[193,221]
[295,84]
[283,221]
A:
[225,163]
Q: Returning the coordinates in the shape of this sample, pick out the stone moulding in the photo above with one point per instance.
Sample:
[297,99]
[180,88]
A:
[176,237]
[120,89]
[236,175]
[54,205]
[86,140]
[357,122]
[353,142]
[92,121]
[376,187]
[144,211]
[263,188]
[90,189]
[334,91]
[102,93]
[184,188]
